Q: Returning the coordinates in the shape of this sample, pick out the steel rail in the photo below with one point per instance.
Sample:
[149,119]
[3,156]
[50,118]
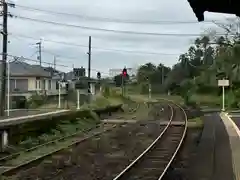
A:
[131,165]
[148,148]
[13,155]
[10,170]
[179,145]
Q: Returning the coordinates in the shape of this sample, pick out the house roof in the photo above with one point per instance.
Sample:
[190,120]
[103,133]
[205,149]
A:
[19,68]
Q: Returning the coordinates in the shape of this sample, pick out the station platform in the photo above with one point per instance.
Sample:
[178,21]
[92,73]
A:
[28,116]
[217,156]
[232,125]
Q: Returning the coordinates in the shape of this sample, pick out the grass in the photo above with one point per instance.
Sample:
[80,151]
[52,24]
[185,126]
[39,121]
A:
[201,100]
[195,122]
[64,129]
[140,114]
[207,100]
[102,102]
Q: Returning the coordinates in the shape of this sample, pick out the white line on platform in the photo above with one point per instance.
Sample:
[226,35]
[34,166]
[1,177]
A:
[12,110]
[31,116]
[233,123]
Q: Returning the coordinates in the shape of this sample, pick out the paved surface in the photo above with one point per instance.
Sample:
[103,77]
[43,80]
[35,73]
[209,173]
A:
[234,136]
[214,153]
[36,115]
[24,112]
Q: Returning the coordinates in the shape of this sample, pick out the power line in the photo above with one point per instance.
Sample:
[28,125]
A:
[105,19]
[37,61]
[48,63]
[59,55]
[106,30]
[95,47]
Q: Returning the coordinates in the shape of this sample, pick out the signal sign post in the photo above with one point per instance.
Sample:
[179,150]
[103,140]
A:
[78,72]
[223,83]
[124,75]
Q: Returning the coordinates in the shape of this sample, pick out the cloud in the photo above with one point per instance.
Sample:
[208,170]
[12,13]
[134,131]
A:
[103,60]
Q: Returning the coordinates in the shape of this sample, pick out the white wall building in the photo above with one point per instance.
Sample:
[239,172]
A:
[114,72]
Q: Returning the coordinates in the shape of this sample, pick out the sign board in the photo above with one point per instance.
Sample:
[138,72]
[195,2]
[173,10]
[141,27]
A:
[79,72]
[223,82]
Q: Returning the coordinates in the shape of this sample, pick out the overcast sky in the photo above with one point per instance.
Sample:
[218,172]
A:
[167,47]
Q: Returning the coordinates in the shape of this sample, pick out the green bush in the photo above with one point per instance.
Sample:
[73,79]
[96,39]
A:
[36,100]
[106,91]
[231,100]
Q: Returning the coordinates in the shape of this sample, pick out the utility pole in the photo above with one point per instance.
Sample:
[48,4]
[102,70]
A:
[73,71]
[89,63]
[4,58]
[162,74]
[54,63]
[39,52]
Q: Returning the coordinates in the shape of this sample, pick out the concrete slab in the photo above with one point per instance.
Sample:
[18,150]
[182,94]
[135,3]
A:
[164,123]
[28,118]
[118,121]
[173,123]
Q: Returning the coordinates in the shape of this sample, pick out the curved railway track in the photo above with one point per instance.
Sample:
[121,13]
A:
[154,162]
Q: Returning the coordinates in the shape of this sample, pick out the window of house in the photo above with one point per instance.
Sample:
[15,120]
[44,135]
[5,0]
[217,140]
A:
[38,84]
[21,84]
[57,85]
[44,84]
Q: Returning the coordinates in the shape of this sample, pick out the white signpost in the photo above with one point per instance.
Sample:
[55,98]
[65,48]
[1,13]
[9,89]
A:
[223,83]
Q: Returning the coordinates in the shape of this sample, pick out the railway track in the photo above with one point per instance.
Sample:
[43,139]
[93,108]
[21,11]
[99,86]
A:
[154,162]
[117,153]
[8,165]
[93,151]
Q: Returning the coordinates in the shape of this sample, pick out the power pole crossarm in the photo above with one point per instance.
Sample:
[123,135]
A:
[4,58]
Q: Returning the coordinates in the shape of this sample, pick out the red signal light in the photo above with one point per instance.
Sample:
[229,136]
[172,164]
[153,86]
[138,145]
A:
[124,72]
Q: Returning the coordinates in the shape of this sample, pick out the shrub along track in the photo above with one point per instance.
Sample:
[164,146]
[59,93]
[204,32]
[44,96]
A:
[130,110]
[101,157]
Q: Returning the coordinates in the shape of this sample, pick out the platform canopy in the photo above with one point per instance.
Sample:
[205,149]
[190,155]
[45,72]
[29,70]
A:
[217,6]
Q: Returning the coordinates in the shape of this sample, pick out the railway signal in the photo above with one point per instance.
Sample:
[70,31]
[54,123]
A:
[223,6]
[124,72]
[99,75]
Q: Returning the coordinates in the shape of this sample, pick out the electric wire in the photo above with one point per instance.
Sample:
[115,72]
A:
[110,30]
[106,19]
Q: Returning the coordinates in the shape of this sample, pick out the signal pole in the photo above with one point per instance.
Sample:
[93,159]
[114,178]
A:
[40,52]
[4,58]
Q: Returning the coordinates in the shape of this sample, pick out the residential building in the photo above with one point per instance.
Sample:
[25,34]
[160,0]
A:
[26,79]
